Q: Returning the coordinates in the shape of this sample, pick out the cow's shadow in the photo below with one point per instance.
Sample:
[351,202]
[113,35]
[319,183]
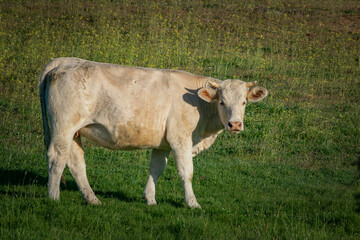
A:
[27,178]
[118,195]
[21,177]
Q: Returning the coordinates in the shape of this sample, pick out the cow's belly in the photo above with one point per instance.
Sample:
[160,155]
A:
[126,136]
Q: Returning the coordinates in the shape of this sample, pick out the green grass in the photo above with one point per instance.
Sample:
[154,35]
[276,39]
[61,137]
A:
[293,172]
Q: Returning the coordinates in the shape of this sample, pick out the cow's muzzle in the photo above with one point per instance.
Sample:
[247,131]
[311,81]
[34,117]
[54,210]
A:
[235,126]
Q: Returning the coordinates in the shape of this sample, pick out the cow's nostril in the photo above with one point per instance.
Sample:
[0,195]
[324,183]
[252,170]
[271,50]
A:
[230,125]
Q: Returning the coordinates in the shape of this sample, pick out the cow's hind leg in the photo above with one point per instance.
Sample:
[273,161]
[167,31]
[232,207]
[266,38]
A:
[57,155]
[157,164]
[77,167]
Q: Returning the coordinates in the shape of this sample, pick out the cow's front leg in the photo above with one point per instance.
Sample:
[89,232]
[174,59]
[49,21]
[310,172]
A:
[157,164]
[184,164]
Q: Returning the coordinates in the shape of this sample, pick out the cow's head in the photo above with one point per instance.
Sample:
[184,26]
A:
[231,97]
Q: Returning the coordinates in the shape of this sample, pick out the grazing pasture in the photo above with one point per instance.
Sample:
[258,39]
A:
[293,173]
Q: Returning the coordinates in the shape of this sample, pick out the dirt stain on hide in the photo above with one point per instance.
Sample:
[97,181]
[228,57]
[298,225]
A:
[134,135]
[76,118]
[54,76]
[83,73]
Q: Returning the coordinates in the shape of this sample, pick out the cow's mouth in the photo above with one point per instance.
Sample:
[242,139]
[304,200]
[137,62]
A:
[235,131]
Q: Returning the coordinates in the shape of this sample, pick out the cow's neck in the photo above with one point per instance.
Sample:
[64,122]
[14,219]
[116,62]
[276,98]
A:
[212,119]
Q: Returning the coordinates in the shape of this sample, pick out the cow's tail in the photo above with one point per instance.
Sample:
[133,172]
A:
[43,81]
[42,90]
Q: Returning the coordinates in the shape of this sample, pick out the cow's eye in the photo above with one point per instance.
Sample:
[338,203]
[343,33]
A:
[243,103]
[222,103]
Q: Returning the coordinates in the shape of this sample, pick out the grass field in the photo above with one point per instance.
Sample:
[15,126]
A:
[292,174]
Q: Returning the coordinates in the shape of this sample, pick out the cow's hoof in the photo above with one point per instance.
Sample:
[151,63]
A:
[93,201]
[150,202]
[193,205]
[54,194]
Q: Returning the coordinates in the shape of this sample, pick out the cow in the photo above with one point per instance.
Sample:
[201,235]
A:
[122,107]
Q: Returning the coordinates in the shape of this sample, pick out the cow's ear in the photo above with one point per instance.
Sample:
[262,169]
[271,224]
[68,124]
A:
[256,94]
[207,94]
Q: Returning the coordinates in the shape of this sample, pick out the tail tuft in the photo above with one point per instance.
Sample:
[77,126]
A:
[42,90]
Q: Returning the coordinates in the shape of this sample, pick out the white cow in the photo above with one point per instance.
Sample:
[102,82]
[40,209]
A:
[122,107]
